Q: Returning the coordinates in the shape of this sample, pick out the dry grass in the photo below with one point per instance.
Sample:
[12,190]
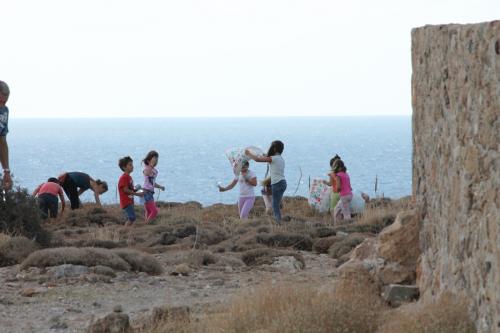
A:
[345,245]
[139,261]
[322,245]
[266,256]
[448,314]
[284,309]
[201,258]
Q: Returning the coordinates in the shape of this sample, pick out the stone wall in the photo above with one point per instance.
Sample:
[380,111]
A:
[456,163]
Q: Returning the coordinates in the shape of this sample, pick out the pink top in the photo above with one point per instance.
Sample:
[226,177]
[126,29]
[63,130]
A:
[150,175]
[345,184]
[49,188]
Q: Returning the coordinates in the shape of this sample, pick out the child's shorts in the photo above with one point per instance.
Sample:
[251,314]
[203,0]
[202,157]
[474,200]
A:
[129,212]
[148,196]
[334,199]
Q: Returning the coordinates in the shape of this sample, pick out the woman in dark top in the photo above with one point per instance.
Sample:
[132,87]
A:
[75,183]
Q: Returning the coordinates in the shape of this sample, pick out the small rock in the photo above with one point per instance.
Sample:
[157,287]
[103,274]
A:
[103,270]
[218,283]
[97,305]
[112,323]
[287,262]
[67,270]
[57,323]
[30,292]
[118,309]
[395,294]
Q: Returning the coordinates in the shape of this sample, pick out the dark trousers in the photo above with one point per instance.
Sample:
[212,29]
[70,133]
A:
[48,204]
[71,191]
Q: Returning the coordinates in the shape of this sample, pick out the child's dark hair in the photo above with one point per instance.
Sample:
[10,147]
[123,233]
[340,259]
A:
[53,180]
[334,158]
[149,156]
[122,162]
[277,147]
[245,163]
[103,184]
[339,166]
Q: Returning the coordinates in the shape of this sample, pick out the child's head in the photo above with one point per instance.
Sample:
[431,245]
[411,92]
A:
[339,166]
[53,180]
[276,147]
[102,186]
[151,158]
[126,164]
[244,166]
[266,182]
[334,158]
[4,93]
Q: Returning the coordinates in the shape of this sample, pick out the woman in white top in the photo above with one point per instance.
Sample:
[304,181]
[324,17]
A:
[247,181]
[277,173]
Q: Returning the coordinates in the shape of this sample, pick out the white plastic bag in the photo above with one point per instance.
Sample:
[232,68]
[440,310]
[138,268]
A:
[236,156]
[319,195]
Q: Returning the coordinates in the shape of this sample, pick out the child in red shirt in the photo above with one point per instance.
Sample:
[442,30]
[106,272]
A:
[126,189]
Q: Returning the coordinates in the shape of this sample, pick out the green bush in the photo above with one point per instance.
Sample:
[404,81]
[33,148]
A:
[20,216]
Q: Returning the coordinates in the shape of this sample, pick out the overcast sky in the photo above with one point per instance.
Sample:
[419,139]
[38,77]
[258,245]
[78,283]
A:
[121,58]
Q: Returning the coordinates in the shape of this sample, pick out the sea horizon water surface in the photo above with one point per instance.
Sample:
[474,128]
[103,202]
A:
[192,152]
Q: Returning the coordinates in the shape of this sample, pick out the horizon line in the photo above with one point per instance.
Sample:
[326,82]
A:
[210,117]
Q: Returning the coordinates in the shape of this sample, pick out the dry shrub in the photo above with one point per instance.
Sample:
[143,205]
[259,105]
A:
[294,308]
[140,262]
[14,250]
[106,234]
[299,242]
[106,244]
[209,237]
[185,231]
[201,258]
[20,216]
[448,314]
[322,245]
[266,256]
[322,232]
[94,215]
[86,256]
[345,245]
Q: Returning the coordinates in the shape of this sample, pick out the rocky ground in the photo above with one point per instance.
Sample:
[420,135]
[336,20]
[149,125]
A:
[195,261]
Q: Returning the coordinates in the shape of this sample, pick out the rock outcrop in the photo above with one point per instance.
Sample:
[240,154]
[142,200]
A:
[456,163]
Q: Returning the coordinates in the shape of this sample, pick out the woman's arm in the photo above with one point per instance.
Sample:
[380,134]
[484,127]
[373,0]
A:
[229,187]
[256,158]
[95,189]
[63,203]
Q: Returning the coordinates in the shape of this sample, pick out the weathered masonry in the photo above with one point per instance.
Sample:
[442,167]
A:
[456,163]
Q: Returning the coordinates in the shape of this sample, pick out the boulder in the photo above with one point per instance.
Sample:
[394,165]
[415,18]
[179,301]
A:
[288,263]
[66,271]
[396,294]
[112,323]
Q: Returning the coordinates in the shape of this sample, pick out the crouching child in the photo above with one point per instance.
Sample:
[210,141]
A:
[48,202]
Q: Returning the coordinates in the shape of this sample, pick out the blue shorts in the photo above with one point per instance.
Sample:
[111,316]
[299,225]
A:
[129,212]
[148,196]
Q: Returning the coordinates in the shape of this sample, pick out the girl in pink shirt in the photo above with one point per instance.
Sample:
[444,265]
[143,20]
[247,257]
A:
[343,186]
[47,194]
[150,174]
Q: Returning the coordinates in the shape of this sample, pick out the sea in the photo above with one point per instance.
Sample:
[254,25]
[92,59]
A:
[192,159]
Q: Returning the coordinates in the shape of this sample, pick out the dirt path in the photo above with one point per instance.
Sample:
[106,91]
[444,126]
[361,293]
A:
[69,306]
